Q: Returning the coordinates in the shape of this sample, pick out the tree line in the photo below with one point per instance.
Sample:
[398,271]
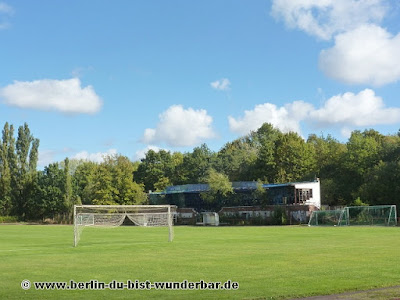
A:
[365,169]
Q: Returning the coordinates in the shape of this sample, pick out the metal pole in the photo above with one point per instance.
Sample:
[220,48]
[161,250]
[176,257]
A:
[75,229]
[170,234]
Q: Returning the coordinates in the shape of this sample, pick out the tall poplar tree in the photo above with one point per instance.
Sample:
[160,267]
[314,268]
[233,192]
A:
[5,173]
[24,171]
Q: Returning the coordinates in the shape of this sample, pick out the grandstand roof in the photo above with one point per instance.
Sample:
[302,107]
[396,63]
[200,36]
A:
[236,185]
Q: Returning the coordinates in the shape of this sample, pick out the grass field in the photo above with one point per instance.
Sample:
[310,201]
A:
[267,262]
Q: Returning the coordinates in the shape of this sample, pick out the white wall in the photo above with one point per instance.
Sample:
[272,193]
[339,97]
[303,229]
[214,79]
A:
[316,190]
[211,219]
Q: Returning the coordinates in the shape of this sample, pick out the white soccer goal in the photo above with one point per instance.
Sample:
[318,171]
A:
[115,215]
[384,215]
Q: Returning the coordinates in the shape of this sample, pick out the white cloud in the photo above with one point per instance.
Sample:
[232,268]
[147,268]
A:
[5,11]
[95,157]
[349,109]
[346,132]
[222,84]
[363,53]
[180,127]
[286,118]
[326,18]
[46,157]
[142,152]
[366,55]
[66,96]
[345,111]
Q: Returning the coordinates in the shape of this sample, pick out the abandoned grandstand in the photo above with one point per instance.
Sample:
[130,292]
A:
[286,202]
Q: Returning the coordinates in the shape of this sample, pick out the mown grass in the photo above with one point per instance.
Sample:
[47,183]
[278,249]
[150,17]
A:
[267,262]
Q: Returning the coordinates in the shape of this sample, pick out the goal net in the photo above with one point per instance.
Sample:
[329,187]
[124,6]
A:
[325,217]
[115,215]
[384,215]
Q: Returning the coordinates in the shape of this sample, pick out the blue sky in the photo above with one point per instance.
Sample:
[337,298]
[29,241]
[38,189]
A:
[97,77]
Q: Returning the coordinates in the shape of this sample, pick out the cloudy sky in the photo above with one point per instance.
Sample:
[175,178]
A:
[103,77]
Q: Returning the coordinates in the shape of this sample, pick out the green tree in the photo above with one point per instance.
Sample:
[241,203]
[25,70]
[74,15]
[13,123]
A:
[266,139]
[23,168]
[390,148]
[126,191]
[104,193]
[5,173]
[68,193]
[48,196]
[329,156]
[260,194]
[219,189]
[294,158]
[174,176]
[83,181]
[328,153]
[364,150]
[237,159]
[195,165]
[111,182]
[162,183]
[380,185]
[154,166]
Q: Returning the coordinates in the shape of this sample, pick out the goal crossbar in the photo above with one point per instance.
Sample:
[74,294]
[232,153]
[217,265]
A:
[125,206]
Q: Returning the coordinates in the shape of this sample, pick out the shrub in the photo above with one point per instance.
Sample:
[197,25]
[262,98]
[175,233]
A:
[8,219]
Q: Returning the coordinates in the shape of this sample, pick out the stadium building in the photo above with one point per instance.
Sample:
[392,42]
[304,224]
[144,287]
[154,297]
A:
[293,193]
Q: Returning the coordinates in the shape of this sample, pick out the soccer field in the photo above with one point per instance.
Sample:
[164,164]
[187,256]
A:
[267,262]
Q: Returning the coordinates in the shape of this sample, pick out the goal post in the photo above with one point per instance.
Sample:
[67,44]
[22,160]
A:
[115,215]
[372,215]
[377,215]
